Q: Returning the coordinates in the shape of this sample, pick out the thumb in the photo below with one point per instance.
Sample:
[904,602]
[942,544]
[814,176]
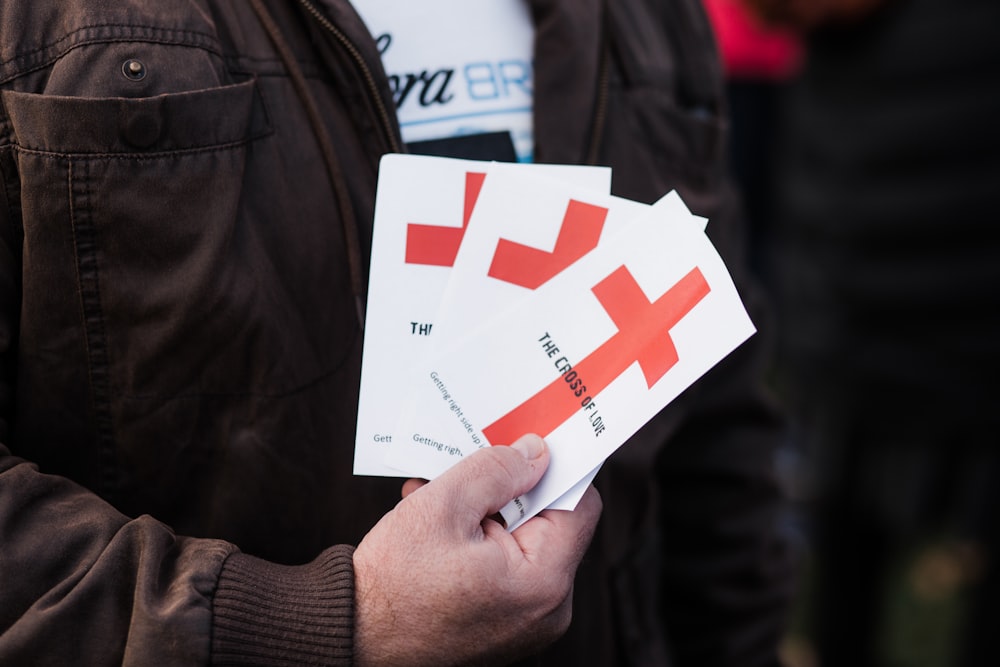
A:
[482,483]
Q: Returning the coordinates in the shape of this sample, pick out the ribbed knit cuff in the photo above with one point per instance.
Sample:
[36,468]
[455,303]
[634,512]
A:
[275,615]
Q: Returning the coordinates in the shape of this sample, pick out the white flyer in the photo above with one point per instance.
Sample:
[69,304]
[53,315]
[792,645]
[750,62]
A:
[586,359]
[536,227]
[422,210]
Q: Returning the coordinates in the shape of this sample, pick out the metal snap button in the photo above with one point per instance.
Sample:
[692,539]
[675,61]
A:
[134,70]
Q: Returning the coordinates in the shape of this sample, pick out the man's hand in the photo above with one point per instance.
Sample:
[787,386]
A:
[440,583]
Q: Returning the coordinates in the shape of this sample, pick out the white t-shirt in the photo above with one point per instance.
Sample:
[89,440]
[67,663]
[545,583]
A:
[457,67]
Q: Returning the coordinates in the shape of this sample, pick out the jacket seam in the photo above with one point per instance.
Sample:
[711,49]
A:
[95,333]
[14,220]
[140,157]
[44,56]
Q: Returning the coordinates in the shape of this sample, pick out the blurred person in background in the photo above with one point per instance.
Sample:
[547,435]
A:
[759,61]
[886,269]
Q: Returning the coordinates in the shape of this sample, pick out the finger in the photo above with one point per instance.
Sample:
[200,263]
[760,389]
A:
[491,477]
[561,536]
[411,485]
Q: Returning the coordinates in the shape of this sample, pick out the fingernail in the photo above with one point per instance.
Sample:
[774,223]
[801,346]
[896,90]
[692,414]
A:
[530,446]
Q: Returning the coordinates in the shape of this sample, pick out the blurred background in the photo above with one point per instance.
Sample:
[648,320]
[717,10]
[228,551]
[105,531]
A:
[866,142]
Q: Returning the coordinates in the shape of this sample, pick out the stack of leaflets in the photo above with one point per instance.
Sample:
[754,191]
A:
[507,299]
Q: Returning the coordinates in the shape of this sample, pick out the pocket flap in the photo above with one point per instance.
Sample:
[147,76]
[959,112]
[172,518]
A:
[169,122]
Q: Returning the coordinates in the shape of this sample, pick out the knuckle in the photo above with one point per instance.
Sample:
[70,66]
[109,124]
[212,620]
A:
[502,466]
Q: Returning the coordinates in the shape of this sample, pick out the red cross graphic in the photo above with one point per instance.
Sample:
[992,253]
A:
[530,267]
[643,336]
[438,246]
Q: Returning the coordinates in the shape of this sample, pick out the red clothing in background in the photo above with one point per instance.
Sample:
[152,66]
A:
[750,49]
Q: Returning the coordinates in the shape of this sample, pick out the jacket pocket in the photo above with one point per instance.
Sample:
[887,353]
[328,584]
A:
[134,216]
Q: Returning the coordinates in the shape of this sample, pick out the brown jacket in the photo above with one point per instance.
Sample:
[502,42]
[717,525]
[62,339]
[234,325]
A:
[181,254]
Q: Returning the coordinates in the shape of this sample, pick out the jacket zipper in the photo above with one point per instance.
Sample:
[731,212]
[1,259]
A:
[366,73]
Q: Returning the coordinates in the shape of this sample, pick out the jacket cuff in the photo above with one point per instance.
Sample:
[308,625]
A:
[266,614]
